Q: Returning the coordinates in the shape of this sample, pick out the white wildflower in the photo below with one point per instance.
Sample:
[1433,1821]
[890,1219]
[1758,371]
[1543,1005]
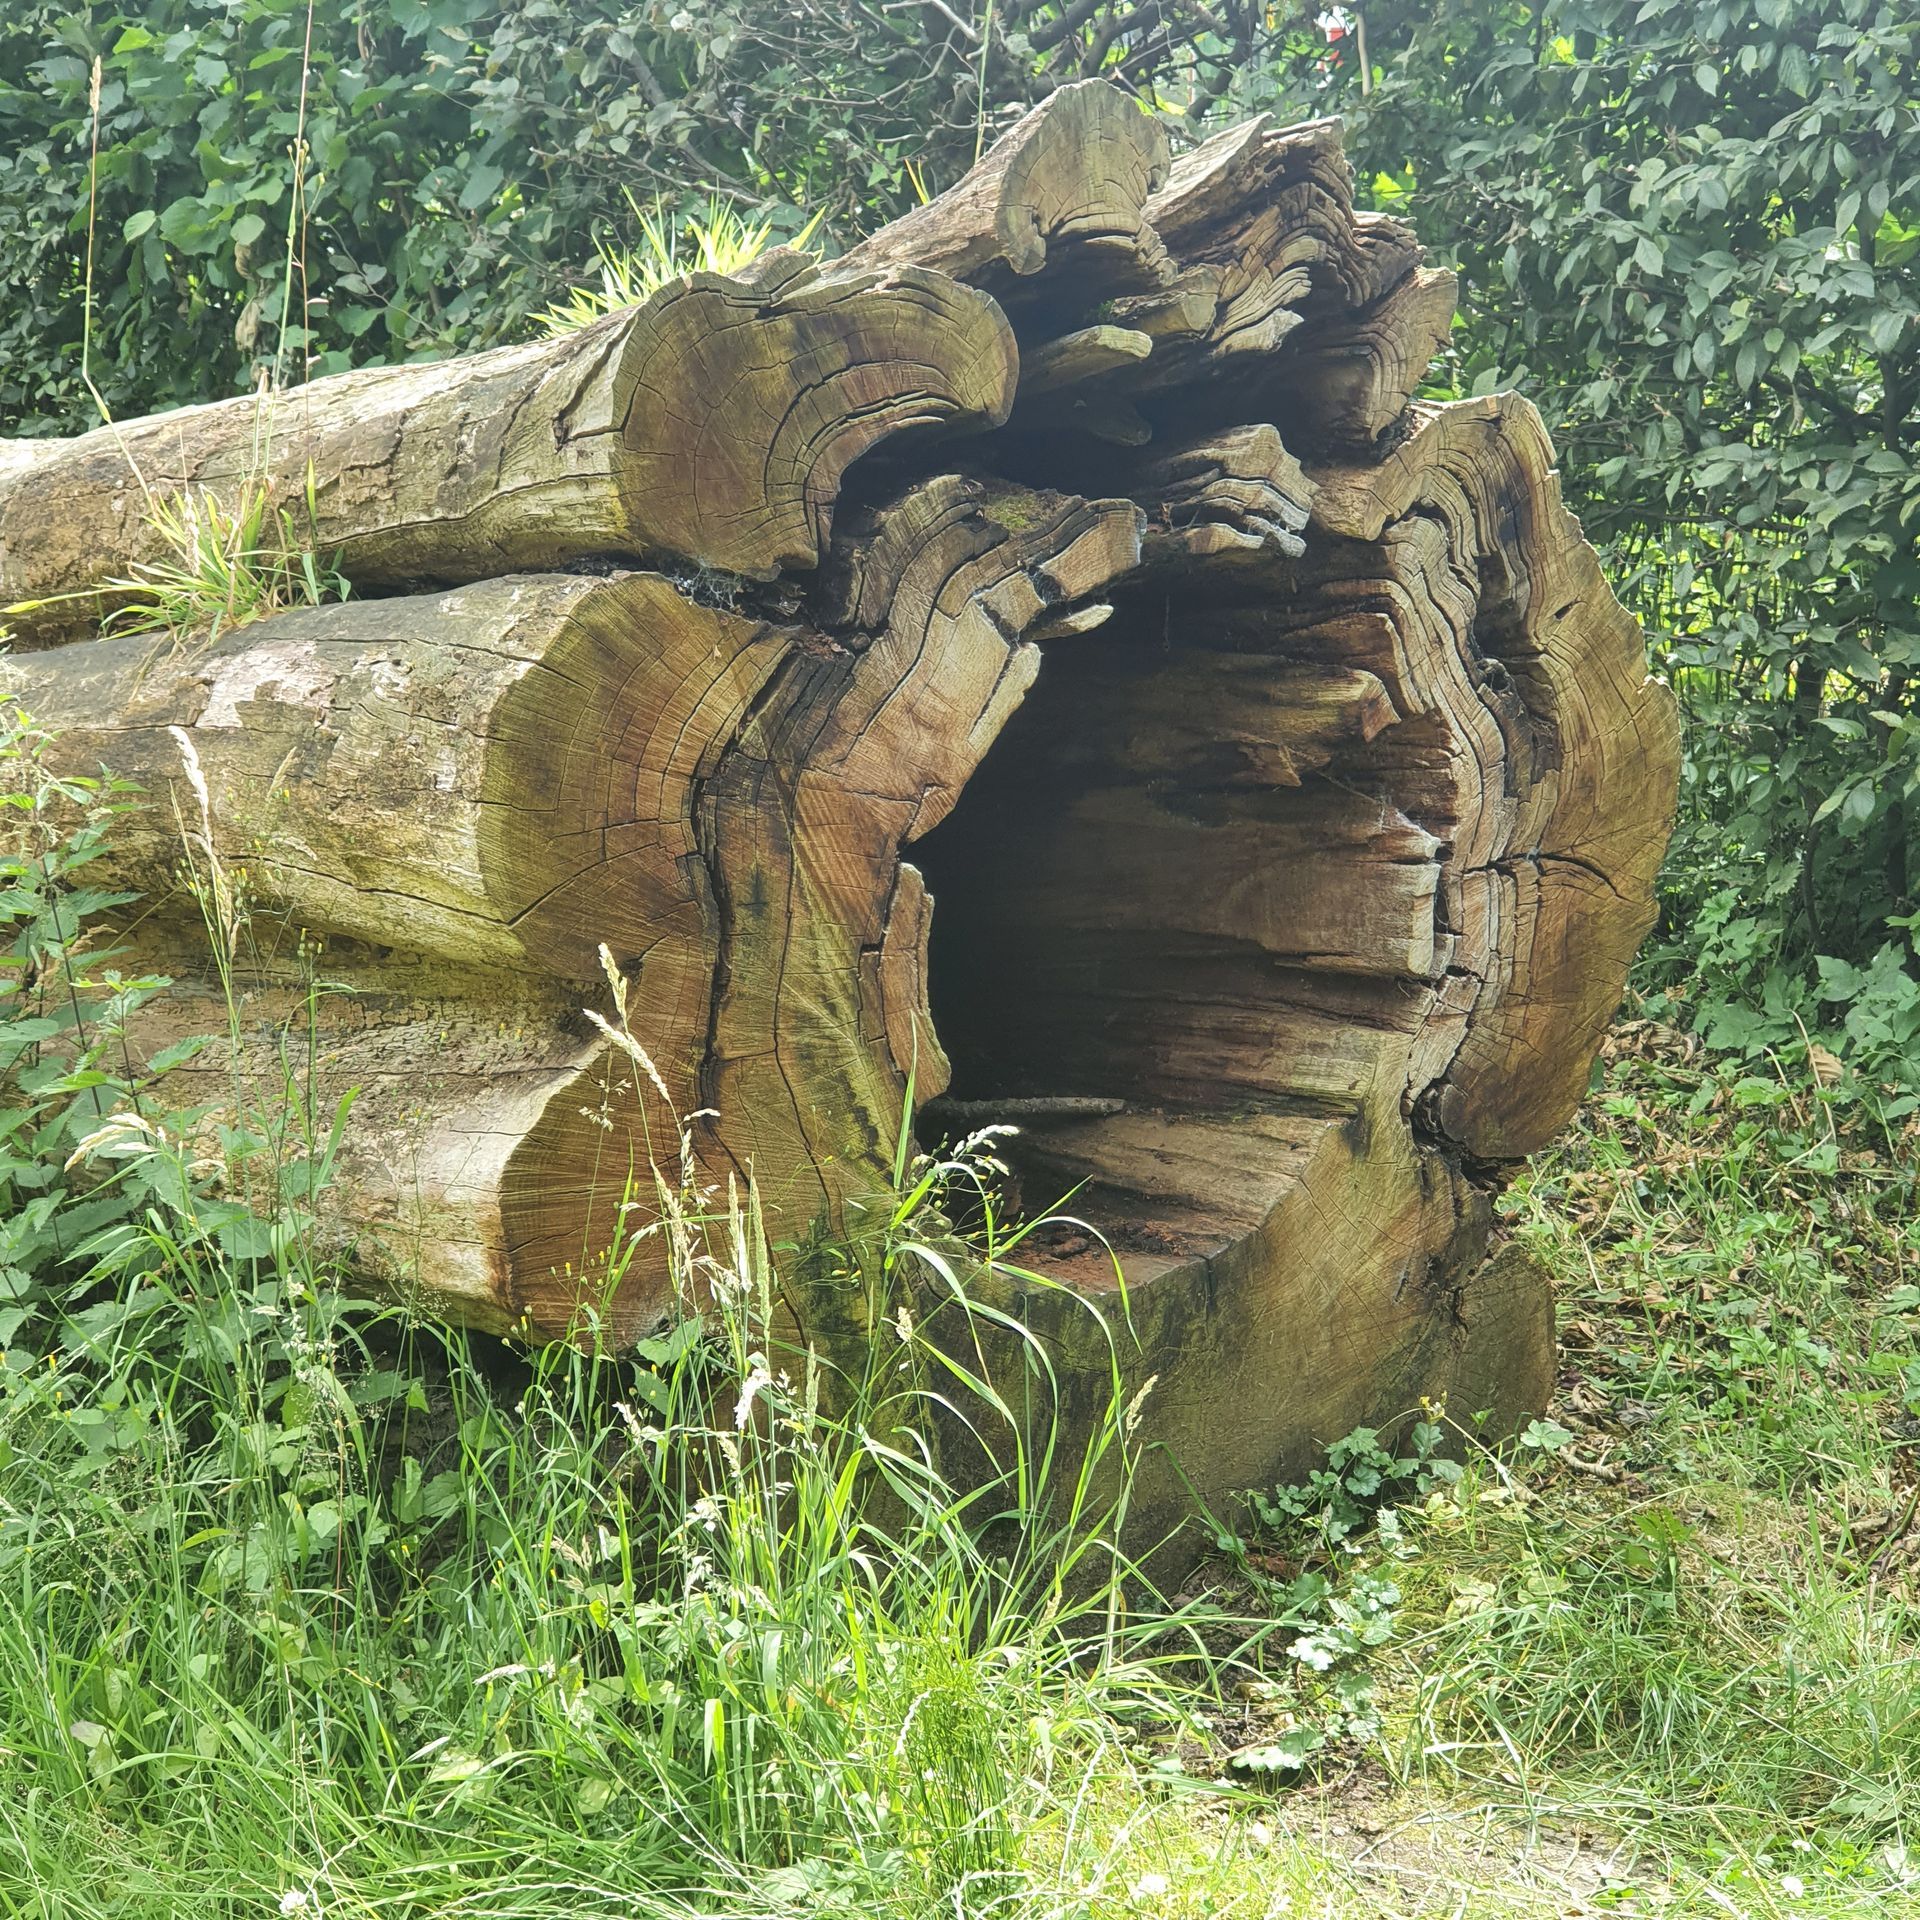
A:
[750,1390]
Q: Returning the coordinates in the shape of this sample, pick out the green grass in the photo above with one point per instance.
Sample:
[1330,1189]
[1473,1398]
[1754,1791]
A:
[1667,1658]
[223,561]
[304,1606]
[1690,1636]
[310,1606]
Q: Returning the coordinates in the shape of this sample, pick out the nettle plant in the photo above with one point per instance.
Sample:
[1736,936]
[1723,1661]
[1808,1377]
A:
[106,1174]
[1321,1562]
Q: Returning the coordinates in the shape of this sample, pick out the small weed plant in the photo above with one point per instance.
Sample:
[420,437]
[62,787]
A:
[668,247]
[309,1606]
[226,563]
[223,562]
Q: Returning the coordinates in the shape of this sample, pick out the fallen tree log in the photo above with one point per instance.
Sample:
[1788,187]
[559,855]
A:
[1237,771]
[711,424]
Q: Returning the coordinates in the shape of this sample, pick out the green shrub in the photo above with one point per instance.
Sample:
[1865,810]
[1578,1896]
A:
[1692,233]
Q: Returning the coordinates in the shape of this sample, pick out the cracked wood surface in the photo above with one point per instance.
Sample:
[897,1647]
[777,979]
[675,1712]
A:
[1201,739]
[1063,189]
[712,424]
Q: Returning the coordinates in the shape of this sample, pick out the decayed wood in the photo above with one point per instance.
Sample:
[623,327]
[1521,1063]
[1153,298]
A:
[1556,886]
[1064,188]
[1218,492]
[713,424]
[819,1030]
[1231,769]
[450,802]
[1347,376]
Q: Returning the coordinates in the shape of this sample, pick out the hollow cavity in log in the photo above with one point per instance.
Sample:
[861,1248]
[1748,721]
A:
[1228,769]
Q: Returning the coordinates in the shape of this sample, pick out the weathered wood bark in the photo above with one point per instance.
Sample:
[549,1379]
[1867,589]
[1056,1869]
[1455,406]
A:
[712,424]
[1065,188]
[1233,767]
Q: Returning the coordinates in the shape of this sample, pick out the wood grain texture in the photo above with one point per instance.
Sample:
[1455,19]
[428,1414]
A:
[1064,188]
[1556,870]
[713,424]
[1233,767]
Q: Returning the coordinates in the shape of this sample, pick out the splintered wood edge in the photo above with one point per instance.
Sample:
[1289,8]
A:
[816,1037]
[1077,168]
[1581,883]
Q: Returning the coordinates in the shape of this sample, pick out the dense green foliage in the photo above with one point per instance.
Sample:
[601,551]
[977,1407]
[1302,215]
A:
[460,158]
[1693,232]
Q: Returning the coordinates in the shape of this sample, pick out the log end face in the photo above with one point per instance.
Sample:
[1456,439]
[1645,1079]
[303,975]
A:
[1082,167]
[1558,841]
[744,406]
[1062,191]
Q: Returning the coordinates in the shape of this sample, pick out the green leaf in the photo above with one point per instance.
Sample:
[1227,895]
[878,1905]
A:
[177,1054]
[1648,255]
[138,223]
[183,222]
[1288,1754]
[1885,328]
[482,184]
[247,229]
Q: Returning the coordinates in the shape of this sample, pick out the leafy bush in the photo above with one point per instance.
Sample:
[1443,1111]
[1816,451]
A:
[72,1096]
[1693,232]
[441,169]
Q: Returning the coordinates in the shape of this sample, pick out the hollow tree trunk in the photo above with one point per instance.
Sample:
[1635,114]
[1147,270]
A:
[1236,769]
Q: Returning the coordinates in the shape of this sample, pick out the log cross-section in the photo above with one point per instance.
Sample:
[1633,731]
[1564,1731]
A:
[1045,664]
